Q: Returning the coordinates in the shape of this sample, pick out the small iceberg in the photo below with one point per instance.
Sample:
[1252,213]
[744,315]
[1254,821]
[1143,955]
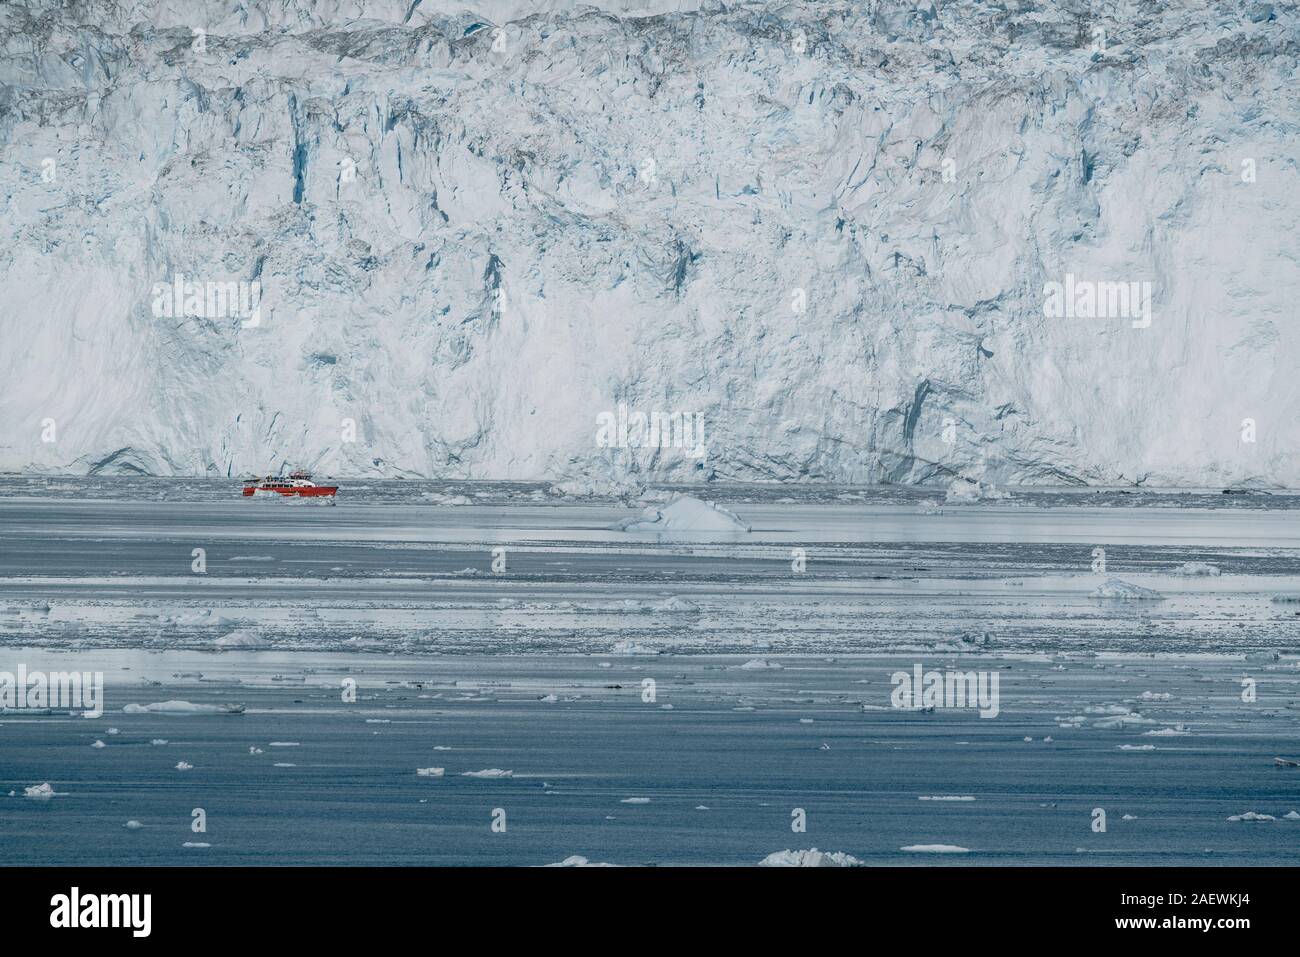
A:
[963,491]
[809,858]
[183,707]
[1125,591]
[577,860]
[242,638]
[685,515]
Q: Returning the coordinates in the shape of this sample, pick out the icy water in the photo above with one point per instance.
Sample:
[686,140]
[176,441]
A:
[769,695]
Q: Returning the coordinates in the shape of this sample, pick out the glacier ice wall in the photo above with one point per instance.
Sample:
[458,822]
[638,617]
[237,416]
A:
[825,227]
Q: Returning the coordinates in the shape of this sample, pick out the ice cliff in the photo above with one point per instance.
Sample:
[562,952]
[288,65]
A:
[823,229]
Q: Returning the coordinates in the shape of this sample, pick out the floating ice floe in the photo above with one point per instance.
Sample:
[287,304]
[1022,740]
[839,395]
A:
[430,772]
[759,664]
[1119,721]
[488,773]
[1291,816]
[1136,747]
[133,825]
[945,797]
[1125,591]
[41,792]
[184,766]
[1197,570]
[1166,732]
[686,515]
[183,707]
[935,849]
[635,800]
[577,860]
[588,488]
[963,491]
[243,638]
[1252,816]
[809,858]
[196,844]
[99,744]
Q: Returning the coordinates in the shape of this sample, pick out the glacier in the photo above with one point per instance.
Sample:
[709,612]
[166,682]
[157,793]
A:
[827,228]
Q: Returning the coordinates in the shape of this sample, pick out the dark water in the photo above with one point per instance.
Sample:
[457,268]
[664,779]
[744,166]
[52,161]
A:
[353,795]
[399,594]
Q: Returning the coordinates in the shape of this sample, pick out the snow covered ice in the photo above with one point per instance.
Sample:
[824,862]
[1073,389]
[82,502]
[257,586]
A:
[472,249]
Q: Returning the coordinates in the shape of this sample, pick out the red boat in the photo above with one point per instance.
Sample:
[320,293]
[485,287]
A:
[298,483]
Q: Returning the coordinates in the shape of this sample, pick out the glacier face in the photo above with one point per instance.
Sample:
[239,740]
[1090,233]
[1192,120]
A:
[824,228]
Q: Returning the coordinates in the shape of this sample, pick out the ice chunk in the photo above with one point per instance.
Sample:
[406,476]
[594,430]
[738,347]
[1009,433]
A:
[809,858]
[962,491]
[242,638]
[935,849]
[577,860]
[945,797]
[684,514]
[183,707]
[1125,591]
